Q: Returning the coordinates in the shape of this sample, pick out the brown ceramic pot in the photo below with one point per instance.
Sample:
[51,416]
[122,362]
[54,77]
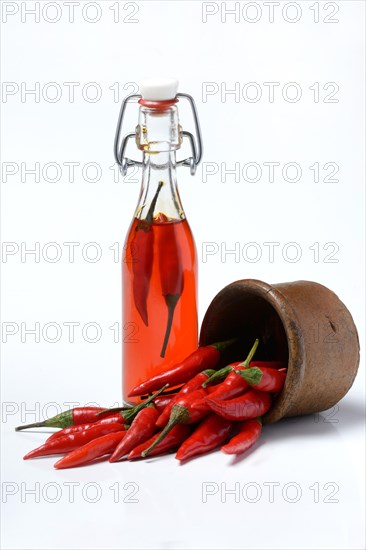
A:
[301,322]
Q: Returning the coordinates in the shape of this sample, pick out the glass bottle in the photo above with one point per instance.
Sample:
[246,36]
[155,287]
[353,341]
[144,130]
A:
[159,266]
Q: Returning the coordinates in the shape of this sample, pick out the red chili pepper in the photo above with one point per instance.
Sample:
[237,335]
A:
[238,365]
[206,357]
[178,434]
[142,428]
[200,404]
[72,417]
[250,405]
[128,413]
[210,433]
[116,418]
[97,448]
[69,442]
[263,379]
[88,415]
[171,275]
[194,384]
[233,385]
[222,373]
[182,413]
[142,246]
[249,432]
[162,401]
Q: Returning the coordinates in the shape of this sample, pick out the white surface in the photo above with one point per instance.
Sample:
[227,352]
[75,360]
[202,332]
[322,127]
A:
[159,89]
[209,58]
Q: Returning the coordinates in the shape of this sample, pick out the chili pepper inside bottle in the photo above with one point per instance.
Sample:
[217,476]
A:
[159,267]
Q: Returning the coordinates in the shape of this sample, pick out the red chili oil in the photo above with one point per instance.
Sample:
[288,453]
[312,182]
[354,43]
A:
[141,344]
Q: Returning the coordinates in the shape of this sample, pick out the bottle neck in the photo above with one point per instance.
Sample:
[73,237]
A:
[159,169]
[158,136]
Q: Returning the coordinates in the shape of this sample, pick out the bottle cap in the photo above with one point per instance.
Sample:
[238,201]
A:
[158,94]
[159,89]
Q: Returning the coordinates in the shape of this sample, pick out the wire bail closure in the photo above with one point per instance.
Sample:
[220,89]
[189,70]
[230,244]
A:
[120,145]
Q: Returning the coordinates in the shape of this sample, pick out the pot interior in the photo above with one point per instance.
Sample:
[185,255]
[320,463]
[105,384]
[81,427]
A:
[246,314]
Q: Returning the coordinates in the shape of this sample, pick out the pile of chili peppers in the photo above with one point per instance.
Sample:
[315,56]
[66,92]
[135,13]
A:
[213,408]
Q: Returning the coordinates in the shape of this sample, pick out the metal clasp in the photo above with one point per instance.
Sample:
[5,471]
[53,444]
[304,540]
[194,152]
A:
[120,145]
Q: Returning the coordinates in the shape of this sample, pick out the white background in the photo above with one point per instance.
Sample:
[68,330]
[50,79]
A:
[321,457]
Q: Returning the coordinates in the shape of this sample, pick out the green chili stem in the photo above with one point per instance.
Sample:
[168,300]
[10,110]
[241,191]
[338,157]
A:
[130,413]
[61,420]
[225,371]
[251,354]
[179,415]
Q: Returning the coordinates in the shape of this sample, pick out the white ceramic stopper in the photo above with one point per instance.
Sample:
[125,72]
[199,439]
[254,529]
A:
[159,89]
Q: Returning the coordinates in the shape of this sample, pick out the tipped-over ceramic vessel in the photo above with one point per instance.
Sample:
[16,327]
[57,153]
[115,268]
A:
[303,323]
